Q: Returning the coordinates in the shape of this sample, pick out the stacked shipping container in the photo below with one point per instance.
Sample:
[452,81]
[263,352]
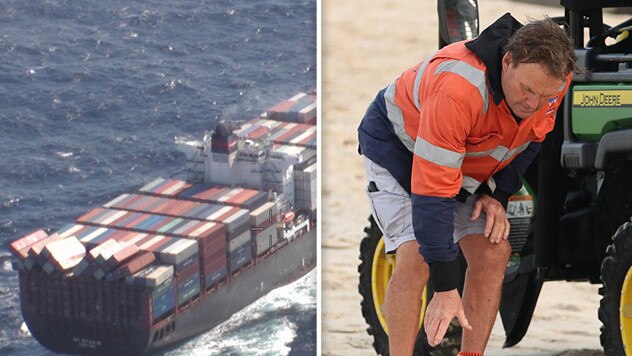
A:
[176,239]
[288,133]
[299,108]
[305,188]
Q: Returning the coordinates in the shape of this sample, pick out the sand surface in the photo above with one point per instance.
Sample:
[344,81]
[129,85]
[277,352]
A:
[366,44]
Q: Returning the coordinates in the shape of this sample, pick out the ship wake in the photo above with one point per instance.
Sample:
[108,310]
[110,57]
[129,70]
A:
[268,326]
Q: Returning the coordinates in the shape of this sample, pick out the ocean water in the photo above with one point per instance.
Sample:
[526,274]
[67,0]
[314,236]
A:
[92,95]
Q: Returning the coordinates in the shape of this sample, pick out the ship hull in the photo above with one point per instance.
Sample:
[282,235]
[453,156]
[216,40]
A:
[286,264]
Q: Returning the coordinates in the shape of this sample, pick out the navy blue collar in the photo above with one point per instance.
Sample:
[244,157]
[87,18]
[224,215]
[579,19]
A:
[490,48]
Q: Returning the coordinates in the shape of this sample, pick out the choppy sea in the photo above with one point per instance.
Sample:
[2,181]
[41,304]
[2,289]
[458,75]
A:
[92,95]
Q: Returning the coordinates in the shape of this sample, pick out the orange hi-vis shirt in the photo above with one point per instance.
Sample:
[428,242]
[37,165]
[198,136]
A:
[443,128]
[459,136]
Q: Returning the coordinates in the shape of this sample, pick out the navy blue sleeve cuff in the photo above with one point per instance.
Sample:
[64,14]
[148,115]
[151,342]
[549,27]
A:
[502,197]
[444,276]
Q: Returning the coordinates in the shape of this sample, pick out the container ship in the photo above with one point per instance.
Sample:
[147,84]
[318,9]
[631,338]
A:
[178,257]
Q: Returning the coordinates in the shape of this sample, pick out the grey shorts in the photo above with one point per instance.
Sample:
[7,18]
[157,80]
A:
[391,207]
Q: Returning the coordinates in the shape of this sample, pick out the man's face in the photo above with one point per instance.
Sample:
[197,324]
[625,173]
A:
[527,86]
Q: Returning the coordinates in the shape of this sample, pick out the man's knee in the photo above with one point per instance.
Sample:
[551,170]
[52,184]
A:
[410,263]
[492,255]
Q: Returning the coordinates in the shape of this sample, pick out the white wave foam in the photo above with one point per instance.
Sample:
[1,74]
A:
[6,266]
[11,202]
[64,154]
[25,329]
[262,328]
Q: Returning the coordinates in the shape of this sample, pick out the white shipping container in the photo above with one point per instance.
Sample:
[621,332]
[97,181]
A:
[107,253]
[239,218]
[71,231]
[88,238]
[239,241]
[151,185]
[63,249]
[305,188]
[151,276]
[115,200]
[63,254]
[178,251]
[267,211]
[94,252]
[307,113]
[266,239]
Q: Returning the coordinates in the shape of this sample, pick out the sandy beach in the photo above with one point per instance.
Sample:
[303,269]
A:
[365,46]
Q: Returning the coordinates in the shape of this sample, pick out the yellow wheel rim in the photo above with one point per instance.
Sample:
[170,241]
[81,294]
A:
[381,272]
[625,313]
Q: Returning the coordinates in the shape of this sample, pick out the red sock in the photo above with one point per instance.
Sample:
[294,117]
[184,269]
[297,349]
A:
[468,353]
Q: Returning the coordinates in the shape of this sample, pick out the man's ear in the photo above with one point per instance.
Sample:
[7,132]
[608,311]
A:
[506,61]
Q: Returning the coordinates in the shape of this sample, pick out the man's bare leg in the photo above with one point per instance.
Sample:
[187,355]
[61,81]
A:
[481,294]
[403,298]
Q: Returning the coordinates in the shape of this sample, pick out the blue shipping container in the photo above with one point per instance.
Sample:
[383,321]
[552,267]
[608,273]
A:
[163,299]
[189,288]
[216,277]
[240,257]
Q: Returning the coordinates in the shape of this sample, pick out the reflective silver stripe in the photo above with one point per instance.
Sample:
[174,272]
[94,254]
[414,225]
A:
[472,74]
[420,73]
[394,113]
[470,184]
[438,155]
[500,153]
[491,183]
[516,150]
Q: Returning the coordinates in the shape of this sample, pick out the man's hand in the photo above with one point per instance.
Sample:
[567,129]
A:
[443,307]
[497,225]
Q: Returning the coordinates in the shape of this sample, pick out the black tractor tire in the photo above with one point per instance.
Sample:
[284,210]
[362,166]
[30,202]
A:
[613,272]
[451,342]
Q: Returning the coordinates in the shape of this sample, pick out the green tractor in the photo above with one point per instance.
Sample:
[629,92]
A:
[571,219]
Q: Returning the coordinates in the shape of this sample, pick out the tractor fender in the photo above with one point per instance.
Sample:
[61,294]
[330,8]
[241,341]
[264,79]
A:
[613,144]
[519,298]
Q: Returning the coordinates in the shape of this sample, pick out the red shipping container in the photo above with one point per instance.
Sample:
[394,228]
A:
[21,246]
[285,137]
[118,235]
[164,203]
[242,197]
[214,265]
[258,132]
[215,232]
[129,201]
[213,257]
[135,222]
[209,194]
[165,187]
[133,237]
[134,265]
[218,247]
[116,221]
[158,243]
[306,139]
[188,272]
[85,217]
[144,240]
[142,203]
[179,207]
[123,255]
[281,107]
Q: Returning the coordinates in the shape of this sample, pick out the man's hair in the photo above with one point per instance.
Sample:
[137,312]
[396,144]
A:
[543,42]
